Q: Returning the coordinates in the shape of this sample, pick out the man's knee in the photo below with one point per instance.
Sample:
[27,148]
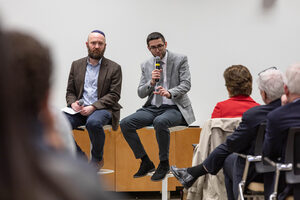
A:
[125,125]
[159,124]
[93,123]
[71,120]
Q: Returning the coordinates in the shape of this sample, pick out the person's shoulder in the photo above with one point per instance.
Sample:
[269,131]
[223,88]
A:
[176,55]
[80,60]
[110,62]
[147,62]
[224,102]
[255,111]
[280,111]
[263,110]
[73,174]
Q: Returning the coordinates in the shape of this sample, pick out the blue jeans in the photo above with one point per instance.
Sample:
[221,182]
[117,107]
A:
[161,118]
[94,124]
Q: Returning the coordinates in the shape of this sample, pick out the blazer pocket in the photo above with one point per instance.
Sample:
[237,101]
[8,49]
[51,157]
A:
[185,102]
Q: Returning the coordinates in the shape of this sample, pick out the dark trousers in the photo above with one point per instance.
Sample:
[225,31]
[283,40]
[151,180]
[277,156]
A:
[233,176]
[161,118]
[215,160]
[94,124]
[220,158]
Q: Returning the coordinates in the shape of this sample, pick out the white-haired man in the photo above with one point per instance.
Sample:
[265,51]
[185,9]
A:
[279,122]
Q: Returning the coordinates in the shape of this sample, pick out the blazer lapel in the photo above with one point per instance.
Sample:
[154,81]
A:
[81,75]
[169,68]
[102,75]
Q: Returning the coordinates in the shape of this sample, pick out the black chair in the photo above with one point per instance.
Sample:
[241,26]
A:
[292,161]
[255,190]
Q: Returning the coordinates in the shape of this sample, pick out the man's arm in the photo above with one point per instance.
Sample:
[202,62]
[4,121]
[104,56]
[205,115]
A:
[273,139]
[111,98]
[244,136]
[71,91]
[145,87]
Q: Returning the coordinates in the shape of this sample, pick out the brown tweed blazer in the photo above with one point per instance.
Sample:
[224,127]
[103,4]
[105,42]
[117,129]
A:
[109,86]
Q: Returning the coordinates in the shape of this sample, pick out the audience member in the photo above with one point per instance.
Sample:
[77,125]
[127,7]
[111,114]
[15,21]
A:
[238,81]
[270,83]
[279,122]
[97,80]
[33,167]
[63,127]
[167,105]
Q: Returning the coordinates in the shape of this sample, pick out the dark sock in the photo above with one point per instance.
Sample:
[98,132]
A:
[146,159]
[164,163]
[197,171]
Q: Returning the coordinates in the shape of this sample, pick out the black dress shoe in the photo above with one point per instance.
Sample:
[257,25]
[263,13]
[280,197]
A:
[144,169]
[161,172]
[186,179]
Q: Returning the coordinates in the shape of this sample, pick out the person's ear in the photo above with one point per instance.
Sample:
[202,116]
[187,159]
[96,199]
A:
[286,90]
[263,96]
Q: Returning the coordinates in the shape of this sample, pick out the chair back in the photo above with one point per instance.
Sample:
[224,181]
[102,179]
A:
[292,155]
[261,167]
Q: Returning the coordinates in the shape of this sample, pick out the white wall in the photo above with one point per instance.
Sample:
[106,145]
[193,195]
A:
[214,34]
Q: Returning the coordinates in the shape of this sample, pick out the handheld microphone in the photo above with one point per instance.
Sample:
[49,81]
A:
[80,102]
[157,65]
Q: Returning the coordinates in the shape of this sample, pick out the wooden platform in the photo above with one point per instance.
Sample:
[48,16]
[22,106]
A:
[119,157]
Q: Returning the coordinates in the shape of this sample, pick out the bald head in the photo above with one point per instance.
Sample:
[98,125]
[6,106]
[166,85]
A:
[96,35]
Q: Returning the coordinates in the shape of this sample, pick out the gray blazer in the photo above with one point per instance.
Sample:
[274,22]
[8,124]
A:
[179,81]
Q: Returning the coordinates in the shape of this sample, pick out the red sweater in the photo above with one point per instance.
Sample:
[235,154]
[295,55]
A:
[233,107]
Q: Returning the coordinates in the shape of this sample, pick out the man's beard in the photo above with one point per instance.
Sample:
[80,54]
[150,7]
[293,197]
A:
[96,54]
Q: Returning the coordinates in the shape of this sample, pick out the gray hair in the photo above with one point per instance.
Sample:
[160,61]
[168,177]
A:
[271,82]
[293,78]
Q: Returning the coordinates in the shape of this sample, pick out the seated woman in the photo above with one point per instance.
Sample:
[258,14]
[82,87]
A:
[238,81]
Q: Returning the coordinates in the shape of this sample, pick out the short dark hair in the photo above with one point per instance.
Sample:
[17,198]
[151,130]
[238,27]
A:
[238,80]
[32,67]
[155,36]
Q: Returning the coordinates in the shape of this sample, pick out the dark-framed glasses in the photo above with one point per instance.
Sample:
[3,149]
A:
[274,68]
[159,47]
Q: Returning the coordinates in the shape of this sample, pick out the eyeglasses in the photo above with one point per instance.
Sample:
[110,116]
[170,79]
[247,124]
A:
[159,47]
[274,68]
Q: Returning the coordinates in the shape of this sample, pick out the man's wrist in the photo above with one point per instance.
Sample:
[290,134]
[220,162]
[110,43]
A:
[152,83]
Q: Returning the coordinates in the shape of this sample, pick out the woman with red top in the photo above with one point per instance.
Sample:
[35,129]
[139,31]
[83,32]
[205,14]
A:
[238,81]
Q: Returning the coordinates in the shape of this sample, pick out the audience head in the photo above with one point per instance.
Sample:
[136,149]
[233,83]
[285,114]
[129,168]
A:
[270,83]
[238,80]
[29,168]
[25,82]
[292,81]
[31,65]
[96,44]
[157,44]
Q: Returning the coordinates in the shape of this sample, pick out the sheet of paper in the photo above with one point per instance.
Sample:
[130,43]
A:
[69,110]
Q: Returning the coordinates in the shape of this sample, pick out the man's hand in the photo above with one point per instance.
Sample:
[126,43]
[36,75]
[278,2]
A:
[75,106]
[86,111]
[155,75]
[162,92]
